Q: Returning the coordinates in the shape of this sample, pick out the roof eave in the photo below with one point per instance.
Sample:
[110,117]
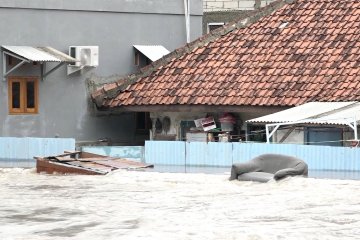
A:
[194,108]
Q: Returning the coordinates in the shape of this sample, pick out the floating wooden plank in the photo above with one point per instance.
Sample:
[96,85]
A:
[84,163]
[67,153]
[91,166]
[63,159]
[123,164]
[45,166]
[68,159]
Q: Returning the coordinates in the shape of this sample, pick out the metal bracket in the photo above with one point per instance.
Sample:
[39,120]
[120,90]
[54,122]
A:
[269,135]
[353,125]
[5,72]
[72,69]
[44,74]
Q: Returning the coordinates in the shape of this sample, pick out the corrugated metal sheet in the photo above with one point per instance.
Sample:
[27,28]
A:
[245,151]
[19,152]
[135,153]
[341,116]
[197,154]
[153,52]
[39,54]
[308,113]
[224,154]
[165,152]
[219,154]
[208,154]
[317,157]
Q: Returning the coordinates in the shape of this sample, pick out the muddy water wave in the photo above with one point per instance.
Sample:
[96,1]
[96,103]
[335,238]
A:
[151,205]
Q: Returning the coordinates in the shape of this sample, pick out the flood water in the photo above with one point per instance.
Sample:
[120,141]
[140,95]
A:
[153,205]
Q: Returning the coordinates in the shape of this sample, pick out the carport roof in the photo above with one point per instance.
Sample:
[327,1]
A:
[338,113]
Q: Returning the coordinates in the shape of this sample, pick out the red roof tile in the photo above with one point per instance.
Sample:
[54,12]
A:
[315,57]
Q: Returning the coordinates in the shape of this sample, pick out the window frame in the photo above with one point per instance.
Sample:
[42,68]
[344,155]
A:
[217,24]
[23,109]
[147,121]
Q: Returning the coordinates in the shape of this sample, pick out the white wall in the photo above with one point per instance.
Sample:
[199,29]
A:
[221,5]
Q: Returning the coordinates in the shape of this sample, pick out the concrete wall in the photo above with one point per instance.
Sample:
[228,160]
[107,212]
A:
[113,25]
[225,11]
[223,5]
[222,17]
[134,153]
[298,136]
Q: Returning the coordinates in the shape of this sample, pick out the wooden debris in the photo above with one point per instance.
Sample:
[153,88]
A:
[84,163]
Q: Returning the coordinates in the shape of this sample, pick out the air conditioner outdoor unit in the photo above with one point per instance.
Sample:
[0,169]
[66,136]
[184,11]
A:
[87,56]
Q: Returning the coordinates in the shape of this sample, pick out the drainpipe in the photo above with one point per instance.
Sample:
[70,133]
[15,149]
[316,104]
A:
[355,129]
[187,19]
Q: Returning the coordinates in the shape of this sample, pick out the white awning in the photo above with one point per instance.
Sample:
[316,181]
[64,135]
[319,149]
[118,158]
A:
[325,113]
[39,54]
[314,112]
[28,54]
[153,52]
[340,116]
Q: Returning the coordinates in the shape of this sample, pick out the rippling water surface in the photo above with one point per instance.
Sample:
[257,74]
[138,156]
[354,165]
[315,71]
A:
[152,205]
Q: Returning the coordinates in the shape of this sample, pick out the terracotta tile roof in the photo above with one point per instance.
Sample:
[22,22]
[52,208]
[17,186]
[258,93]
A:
[308,50]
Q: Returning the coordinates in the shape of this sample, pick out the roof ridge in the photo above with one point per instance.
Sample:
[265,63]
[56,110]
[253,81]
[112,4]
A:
[110,90]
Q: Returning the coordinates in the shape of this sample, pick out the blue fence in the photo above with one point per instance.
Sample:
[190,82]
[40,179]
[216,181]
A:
[135,153]
[224,154]
[19,152]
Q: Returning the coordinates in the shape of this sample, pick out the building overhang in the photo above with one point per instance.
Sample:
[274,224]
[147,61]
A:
[195,108]
[152,52]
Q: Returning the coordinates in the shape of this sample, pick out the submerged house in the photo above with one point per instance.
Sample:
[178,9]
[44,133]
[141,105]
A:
[56,52]
[284,55]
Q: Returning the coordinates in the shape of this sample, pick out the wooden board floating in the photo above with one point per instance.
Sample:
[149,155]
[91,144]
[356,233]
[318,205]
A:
[84,163]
